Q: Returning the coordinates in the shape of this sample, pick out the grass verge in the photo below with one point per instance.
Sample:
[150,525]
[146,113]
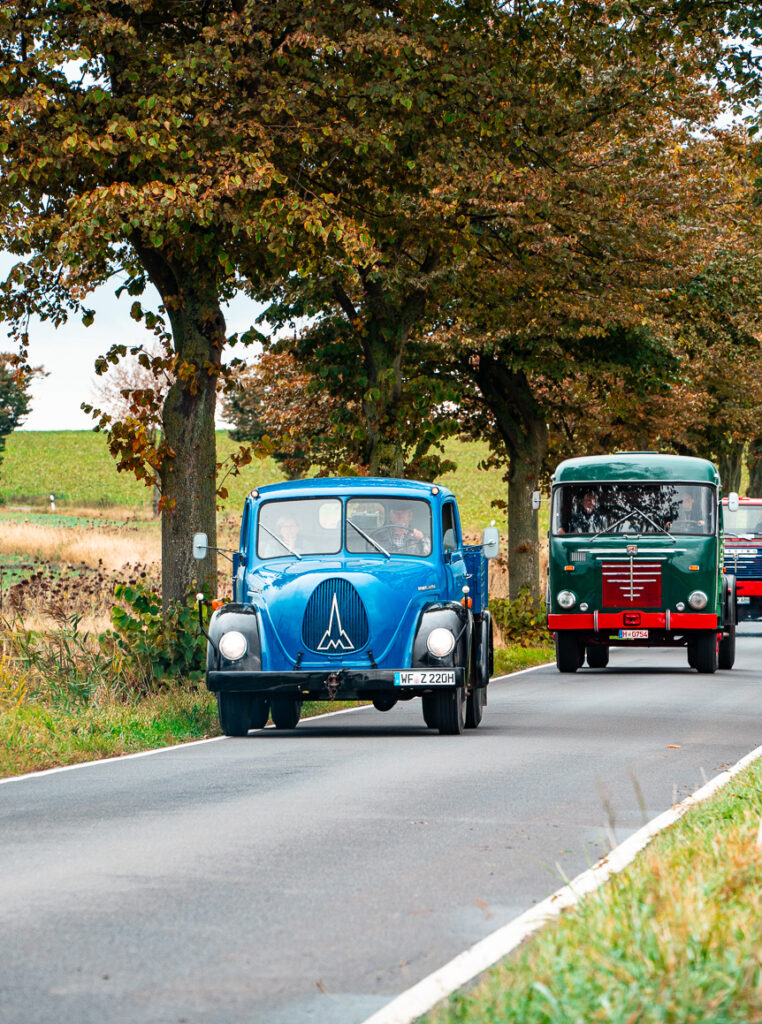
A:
[513,659]
[37,734]
[675,939]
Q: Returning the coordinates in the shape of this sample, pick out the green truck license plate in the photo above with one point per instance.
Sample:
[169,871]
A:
[633,634]
[425,677]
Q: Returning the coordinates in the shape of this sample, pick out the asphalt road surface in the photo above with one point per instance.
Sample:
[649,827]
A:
[311,876]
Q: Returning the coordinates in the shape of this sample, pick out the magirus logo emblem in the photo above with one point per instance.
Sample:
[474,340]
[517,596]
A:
[334,638]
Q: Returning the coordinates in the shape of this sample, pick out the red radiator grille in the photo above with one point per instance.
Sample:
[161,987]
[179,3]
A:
[631,584]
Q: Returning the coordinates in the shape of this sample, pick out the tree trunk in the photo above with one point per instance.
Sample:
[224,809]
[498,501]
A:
[520,421]
[188,474]
[754,465]
[383,349]
[730,465]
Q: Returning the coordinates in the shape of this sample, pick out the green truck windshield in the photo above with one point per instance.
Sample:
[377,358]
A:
[633,508]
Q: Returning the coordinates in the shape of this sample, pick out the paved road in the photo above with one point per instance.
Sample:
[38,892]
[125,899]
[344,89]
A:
[310,877]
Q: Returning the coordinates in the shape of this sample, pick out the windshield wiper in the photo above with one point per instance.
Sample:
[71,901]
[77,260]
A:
[280,541]
[637,512]
[370,540]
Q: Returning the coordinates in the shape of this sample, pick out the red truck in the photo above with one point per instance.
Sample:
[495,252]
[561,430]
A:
[743,552]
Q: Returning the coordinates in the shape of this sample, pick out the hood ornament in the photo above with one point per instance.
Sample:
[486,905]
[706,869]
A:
[334,637]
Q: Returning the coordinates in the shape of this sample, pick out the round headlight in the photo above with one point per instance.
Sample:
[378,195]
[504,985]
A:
[233,645]
[440,642]
[566,599]
[697,600]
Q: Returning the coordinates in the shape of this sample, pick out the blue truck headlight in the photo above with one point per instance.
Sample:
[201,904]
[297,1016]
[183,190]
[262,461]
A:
[233,645]
[440,642]
[697,600]
[566,599]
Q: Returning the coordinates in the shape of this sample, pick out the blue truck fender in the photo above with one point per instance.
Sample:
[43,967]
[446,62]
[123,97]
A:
[449,615]
[242,618]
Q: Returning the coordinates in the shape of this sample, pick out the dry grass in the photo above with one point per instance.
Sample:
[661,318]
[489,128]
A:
[106,546]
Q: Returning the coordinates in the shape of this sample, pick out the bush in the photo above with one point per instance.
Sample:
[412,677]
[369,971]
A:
[522,622]
[161,648]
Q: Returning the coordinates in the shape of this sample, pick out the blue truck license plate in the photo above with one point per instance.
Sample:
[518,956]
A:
[425,677]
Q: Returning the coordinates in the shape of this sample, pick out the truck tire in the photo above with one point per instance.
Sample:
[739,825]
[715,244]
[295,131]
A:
[706,651]
[692,653]
[430,704]
[567,651]
[260,712]
[235,713]
[475,707]
[451,712]
[385,703]
[597,657]
[286,712]
[726,655]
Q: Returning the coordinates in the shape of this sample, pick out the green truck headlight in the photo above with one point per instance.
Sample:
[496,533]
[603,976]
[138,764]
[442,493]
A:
[566,599]
[697,600]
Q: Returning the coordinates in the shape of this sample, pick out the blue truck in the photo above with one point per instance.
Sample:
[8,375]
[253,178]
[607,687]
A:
[352,589]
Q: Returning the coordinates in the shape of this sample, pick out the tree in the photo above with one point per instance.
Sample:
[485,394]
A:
[163,143]
[14,396]
[572,192]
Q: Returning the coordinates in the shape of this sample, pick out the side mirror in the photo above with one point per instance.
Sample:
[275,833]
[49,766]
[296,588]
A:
[200,546]
[536,501]
[449,540]
[732,502]
[491,542]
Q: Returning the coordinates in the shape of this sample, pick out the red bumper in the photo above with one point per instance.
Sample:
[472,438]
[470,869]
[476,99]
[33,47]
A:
[678,621]
[749,588]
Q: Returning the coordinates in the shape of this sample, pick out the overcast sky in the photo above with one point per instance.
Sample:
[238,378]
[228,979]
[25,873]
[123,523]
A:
[69,353]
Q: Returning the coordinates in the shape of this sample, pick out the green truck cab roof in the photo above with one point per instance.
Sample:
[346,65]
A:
[636,466]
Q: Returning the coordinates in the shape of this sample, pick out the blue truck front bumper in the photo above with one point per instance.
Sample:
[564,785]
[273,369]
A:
[324,684]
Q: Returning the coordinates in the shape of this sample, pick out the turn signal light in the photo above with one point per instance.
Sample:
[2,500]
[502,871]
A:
[217,603]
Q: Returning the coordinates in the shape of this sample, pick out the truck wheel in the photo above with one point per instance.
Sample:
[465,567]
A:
[567,651]
[384,703]
[706,651]
[235,713]
[597,657]
[726,655]
[430,703]
[451,712]
[286,712]
[260,712]
[475,707]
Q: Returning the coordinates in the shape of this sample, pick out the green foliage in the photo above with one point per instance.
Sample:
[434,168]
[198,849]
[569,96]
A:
[161,648]
[522,621]
[14,397]
[67,665]
[514,659]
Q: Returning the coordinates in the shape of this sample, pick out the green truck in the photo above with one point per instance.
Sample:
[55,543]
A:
[636,560]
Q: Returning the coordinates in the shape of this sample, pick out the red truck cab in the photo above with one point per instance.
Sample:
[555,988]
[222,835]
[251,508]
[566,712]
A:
[743,554]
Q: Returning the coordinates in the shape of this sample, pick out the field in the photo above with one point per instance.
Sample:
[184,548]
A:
[77,468]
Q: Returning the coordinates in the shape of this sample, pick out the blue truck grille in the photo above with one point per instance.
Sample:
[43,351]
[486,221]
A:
[745,562]
[335,621]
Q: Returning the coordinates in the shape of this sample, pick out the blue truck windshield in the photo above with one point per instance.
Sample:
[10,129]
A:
[633,508]
[389,526]
[290,529]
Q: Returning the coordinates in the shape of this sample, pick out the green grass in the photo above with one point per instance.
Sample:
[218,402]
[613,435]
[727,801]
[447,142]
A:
[674,939]
[76,466]
[514,659]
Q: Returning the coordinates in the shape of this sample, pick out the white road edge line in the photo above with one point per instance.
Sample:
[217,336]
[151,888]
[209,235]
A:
[416,1001]
[192,743]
